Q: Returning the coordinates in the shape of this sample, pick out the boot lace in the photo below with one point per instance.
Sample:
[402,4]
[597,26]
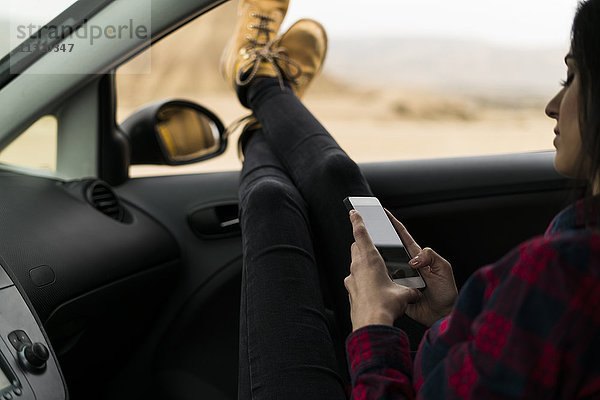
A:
[246,122]
[266,51]
[236,124]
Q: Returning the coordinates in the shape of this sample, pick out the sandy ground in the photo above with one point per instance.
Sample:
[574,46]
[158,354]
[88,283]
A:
[368,127]
[36,148]
[369,132]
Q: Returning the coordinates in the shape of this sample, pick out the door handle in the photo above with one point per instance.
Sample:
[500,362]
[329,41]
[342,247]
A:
[215,221]
[226,224]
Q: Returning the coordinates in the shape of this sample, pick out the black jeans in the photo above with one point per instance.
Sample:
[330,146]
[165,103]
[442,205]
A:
[296,241]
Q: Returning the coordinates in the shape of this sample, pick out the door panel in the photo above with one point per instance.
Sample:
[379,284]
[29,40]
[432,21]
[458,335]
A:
[173,200]
[196,348]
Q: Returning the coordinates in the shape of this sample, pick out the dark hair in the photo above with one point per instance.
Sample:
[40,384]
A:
[585,47]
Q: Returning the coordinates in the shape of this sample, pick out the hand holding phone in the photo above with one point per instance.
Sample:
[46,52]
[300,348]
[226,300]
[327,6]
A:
[386,240]
[374,298]
[441,293]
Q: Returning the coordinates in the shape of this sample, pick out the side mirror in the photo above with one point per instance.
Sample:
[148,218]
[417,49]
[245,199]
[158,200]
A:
[174,132]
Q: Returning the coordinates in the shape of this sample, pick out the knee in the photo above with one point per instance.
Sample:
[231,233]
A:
[270,194]
[338,167]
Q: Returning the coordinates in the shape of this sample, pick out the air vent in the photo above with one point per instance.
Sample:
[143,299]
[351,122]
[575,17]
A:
[101,196]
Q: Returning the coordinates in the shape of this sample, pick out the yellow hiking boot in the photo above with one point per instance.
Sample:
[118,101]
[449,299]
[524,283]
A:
[301,55]
[306,45]
[252,50]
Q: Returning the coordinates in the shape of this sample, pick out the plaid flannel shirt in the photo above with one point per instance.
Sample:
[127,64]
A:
[527,327]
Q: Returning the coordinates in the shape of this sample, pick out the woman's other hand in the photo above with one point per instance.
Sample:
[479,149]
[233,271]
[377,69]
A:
[441,293]
[374,298]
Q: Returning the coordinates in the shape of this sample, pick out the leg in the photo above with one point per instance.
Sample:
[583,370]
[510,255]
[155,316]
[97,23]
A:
[322,172]
[286,350]
[255,52]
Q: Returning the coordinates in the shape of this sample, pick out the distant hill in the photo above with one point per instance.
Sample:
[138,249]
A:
[187,61]
[447,65]
[186,64]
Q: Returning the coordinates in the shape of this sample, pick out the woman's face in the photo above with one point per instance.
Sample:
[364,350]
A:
[564,109]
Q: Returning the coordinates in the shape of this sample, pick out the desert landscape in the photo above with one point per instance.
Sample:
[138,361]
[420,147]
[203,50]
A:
[382,98]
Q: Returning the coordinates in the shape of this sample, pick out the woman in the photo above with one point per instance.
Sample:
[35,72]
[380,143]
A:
[525,327]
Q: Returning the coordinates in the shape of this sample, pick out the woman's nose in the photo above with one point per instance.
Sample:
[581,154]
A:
[554,105]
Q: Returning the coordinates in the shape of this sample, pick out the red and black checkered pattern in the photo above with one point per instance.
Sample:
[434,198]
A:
[527,327]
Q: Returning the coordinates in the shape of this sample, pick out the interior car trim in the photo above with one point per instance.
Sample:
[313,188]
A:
[27,360]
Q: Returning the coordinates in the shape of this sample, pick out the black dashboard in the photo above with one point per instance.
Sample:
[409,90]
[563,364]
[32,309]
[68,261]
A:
[94,268]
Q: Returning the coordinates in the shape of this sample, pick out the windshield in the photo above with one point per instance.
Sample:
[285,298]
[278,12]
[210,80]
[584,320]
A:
[25,17]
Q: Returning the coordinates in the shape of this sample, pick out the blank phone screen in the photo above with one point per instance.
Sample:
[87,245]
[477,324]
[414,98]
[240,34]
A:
[378,225]
[386,240]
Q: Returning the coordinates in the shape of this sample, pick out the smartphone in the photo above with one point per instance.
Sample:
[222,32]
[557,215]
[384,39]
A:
[386,240]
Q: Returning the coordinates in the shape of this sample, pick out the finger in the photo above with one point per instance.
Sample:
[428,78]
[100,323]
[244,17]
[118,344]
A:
[354,257]
[359,230]
[354,250]
[429,258]
[347,282]
[410,244]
